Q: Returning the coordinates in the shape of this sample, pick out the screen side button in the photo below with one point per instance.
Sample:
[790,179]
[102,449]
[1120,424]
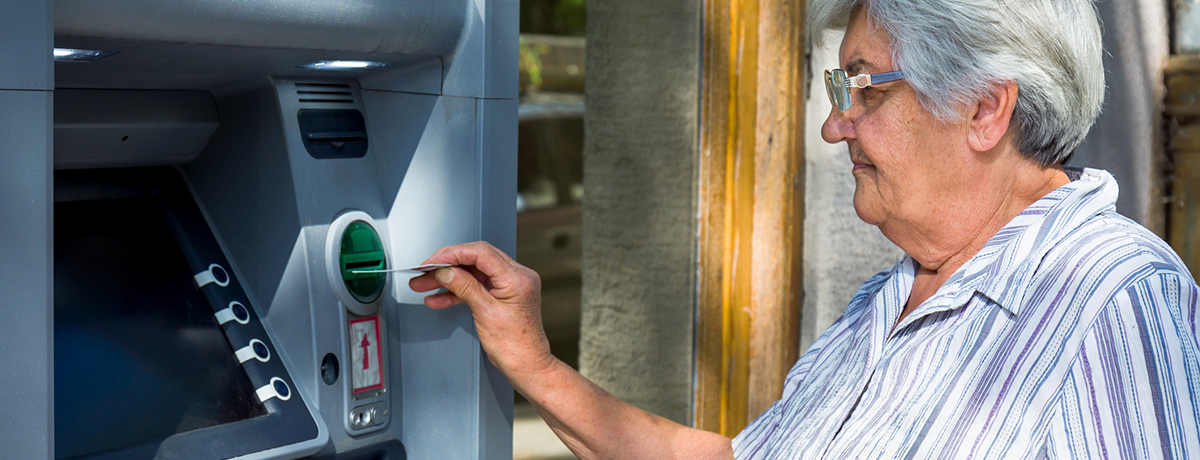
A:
[234,312]
[276,389]
[255,350]
[214,275]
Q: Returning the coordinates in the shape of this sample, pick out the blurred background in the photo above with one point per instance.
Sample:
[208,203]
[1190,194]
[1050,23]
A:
[550,188]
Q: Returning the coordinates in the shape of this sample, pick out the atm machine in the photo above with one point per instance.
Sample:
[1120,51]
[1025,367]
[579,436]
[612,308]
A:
[200,201]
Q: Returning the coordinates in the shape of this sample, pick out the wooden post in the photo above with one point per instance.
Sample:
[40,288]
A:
[1183,112]
[751,202]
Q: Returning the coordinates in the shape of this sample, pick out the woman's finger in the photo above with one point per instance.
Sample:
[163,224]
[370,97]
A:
[464,285]
[442,300]
[480,254]
[424,283]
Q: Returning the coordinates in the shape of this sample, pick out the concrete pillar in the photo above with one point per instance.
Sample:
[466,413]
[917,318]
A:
[639,213]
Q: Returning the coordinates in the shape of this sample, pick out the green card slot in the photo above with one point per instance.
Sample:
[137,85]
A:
[361,249]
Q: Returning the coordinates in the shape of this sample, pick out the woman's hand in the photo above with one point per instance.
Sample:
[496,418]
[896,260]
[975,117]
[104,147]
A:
[504,297]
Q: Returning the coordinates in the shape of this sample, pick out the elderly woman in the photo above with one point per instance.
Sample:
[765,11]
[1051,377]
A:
[1027,320]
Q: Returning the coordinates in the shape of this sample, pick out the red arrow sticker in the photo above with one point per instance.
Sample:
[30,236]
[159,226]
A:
[366,354]
[366,346]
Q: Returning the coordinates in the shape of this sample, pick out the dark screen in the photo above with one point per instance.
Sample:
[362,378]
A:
[138,356]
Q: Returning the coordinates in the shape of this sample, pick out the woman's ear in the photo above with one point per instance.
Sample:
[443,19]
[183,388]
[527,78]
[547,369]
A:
[992,116]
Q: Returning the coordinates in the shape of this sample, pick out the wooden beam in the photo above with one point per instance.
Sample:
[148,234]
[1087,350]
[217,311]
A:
[1185,214]
[751,208]
[1183,98]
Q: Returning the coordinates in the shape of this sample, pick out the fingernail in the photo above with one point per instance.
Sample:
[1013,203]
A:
[445,275]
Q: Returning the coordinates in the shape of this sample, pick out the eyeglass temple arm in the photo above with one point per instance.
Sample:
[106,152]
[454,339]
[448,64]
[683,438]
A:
[865,80]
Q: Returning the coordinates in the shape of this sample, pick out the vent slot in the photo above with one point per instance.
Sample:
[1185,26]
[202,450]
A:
[324,92]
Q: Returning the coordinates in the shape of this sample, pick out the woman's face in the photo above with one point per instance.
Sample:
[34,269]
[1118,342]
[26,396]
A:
[908,165]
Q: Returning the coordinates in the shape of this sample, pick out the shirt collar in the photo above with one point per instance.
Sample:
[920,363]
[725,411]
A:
[1008,261]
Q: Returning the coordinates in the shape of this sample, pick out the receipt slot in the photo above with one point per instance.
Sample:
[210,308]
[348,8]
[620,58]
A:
[209,195]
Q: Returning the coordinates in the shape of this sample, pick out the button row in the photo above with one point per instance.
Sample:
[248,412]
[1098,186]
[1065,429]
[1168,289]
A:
[367,416]
[276,388]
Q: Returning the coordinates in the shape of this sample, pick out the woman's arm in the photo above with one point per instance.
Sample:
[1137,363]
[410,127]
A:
[505,299]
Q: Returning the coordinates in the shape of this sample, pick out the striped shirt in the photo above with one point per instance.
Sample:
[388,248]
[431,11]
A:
[1071,334]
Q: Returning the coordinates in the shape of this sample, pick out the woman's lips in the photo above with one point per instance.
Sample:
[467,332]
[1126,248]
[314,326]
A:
[861,166]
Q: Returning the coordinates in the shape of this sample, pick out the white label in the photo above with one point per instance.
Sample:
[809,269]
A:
[365,371]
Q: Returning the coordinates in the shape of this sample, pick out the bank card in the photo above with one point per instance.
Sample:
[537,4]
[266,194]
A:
[419,268]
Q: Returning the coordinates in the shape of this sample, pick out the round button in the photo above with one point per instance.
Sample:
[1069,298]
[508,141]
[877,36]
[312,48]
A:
[379,413]
[281,389]
[260,349]
[219,274]
[240,312]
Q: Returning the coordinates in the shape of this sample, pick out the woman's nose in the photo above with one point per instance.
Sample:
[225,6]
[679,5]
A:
[837,127]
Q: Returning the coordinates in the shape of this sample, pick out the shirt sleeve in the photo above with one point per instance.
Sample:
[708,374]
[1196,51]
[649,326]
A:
[1134,388]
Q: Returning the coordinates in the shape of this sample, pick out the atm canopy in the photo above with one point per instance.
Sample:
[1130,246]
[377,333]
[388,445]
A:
[409,27]
[209,44]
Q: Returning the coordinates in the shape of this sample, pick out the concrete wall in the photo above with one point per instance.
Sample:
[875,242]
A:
[1187,26]
[639,218]
[841,251]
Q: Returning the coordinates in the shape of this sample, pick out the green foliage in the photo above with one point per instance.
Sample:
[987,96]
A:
[531,64]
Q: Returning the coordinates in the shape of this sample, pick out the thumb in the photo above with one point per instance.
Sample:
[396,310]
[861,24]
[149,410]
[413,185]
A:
[463,285]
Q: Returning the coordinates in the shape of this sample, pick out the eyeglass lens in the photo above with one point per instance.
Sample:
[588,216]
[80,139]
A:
[835,86]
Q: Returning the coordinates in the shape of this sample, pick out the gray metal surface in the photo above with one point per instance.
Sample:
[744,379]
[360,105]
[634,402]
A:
[114,128]
[421,77]
[27,39]
[26,276]
[484,64]
[26,230]
[414,27]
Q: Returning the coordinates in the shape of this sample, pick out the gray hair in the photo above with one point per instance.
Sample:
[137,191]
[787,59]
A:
[953,51]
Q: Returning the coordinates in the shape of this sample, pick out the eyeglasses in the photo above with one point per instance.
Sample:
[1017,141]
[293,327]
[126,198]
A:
[838,85]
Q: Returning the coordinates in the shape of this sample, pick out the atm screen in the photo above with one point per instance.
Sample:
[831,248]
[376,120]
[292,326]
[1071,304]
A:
[138,355]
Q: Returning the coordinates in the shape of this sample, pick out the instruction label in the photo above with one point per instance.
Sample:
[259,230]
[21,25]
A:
[366,373]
